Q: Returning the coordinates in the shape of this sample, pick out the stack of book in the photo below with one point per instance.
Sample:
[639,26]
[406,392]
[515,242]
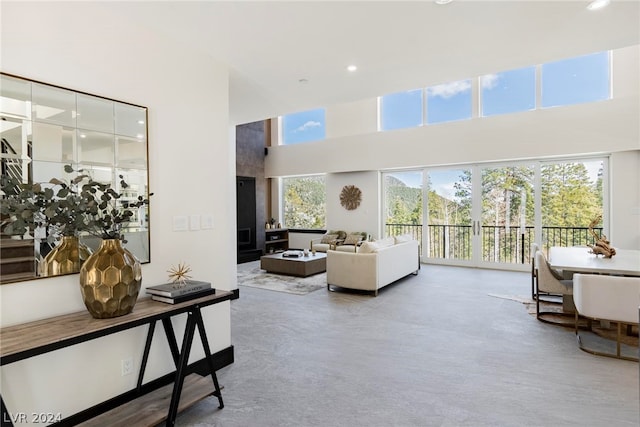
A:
[174,293]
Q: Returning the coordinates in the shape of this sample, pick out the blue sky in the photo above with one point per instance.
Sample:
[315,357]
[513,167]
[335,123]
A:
[303,127]
[570,81]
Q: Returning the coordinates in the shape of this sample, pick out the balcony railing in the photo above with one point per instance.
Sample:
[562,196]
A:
[499,243]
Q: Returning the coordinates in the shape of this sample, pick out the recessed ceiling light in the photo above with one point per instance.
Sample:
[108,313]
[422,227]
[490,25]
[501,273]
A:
[442,1]
[598,4]
[352,68]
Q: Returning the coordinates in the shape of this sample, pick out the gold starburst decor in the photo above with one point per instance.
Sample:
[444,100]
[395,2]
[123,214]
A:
[179,275]
[350,197]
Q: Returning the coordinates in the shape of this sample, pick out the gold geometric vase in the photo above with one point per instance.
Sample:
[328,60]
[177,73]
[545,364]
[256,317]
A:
[67,257]
[110,280]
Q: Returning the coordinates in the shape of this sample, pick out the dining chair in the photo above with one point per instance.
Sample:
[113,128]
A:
[547,282]
[613,299]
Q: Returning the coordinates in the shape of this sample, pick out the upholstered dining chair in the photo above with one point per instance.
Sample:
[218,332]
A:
[610,298]
[548,283]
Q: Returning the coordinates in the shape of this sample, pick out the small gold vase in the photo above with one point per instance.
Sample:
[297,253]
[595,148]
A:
[110,280]
[66,258]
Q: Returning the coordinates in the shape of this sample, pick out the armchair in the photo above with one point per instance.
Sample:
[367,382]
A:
[351,242]
[328,241]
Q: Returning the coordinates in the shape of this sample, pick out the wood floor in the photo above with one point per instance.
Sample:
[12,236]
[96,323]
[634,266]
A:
[431,350]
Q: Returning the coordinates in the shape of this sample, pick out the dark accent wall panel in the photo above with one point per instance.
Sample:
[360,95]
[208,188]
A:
[250,153]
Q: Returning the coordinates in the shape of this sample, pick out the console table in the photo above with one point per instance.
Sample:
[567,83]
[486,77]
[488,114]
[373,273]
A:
[23,341]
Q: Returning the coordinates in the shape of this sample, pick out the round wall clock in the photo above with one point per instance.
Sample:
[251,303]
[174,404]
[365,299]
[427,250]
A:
[350,197]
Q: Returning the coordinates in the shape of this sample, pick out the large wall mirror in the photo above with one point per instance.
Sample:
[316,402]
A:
[45,129]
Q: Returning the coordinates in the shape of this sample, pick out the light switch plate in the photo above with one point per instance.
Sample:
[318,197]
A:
[194,222]
[206,222]
[180,223]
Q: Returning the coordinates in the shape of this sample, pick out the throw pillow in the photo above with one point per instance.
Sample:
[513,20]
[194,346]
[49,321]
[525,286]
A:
[352,239]
[403,238]
[387,241]
[341,234]
[368,248]
[328,238]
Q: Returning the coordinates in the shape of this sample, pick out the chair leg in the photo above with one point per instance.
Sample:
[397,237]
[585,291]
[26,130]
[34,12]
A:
[618,338]
[533,282]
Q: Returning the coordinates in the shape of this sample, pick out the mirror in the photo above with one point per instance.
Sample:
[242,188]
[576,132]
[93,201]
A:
[44,128]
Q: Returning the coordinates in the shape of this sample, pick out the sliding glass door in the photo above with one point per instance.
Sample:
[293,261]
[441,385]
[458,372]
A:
[507,218]
[450,230]
[488,215]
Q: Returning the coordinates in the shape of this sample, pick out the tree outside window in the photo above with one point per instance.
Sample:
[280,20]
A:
[304,202]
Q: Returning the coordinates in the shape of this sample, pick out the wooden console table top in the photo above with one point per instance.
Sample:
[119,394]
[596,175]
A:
[26,340]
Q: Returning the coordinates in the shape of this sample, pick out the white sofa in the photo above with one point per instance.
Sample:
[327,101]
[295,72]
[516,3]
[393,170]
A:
[375,265]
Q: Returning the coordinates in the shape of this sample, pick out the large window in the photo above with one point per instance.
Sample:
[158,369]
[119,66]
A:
[508,92]
[304,202]
[572,197]
[303,127]
[401,110]
[403,203]
[448,102]
[576,80]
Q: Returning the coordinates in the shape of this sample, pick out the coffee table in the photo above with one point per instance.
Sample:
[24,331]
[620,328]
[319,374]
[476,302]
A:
[295,266]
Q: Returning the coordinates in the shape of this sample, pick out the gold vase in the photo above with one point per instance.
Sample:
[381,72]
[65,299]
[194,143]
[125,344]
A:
[67,257]
[110,280]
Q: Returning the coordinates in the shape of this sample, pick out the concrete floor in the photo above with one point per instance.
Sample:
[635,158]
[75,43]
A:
[430,350]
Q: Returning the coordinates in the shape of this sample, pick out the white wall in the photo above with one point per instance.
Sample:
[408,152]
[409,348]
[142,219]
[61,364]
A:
[83,46]
[611,126]
[367,216]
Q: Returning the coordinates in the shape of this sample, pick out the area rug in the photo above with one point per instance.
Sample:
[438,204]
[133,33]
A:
[250,274]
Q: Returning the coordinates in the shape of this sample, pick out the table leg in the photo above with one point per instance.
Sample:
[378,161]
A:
[181,369]
[6,416]
[145,354]
[171,338]
[207,354]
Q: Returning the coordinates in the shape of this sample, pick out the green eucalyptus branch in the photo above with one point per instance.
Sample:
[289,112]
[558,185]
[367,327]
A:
[82,205]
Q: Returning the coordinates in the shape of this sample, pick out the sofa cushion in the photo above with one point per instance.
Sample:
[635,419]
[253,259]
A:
[373,247]
[352,239]
[329,238]
[401,238]
[387,241]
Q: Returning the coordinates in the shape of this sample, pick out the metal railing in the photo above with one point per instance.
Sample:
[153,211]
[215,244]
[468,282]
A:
[498,243]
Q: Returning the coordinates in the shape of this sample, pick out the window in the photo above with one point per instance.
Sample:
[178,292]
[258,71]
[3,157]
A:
[448,102]
[576,80]
[304,202]
[403,203]
[508,92]
[572,196]
[401,110]
[303,127]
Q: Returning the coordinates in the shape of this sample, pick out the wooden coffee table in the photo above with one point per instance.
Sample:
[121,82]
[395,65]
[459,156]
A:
[295,266]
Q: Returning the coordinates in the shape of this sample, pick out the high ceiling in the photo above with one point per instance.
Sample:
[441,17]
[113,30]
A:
[397,45]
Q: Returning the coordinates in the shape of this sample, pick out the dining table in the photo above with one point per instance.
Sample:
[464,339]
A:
[579,259]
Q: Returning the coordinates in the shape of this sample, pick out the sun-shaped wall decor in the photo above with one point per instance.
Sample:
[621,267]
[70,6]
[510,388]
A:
[350,197]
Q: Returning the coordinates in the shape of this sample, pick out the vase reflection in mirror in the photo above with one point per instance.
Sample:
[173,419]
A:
[66,258]
[110,280]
